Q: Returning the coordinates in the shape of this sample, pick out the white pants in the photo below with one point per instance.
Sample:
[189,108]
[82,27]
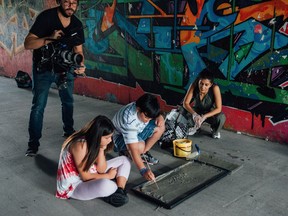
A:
[103,187]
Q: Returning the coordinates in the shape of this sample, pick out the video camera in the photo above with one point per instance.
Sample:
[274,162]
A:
[59,57]
[65,59]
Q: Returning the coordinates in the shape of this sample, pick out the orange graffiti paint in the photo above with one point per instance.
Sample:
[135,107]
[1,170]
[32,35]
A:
[188,36]
[107,20]
[263,11]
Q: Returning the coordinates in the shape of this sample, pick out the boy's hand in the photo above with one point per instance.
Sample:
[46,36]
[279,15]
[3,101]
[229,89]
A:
[149,175]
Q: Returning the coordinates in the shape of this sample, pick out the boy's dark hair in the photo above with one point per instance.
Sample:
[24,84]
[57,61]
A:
[148,104]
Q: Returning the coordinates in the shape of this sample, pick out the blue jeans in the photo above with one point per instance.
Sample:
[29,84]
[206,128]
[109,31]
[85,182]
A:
[120,145]
[41,84]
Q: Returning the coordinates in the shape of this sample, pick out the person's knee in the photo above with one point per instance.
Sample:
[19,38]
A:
[161,129]
[125,161]
[37,110]
[222,118]
[141,147]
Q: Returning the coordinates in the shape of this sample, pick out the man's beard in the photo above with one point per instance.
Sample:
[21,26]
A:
[63,12]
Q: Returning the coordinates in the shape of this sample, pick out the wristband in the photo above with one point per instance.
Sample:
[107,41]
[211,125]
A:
[143,171]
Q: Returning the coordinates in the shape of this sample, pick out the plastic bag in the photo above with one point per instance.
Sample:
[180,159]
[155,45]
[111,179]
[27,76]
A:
[177,123]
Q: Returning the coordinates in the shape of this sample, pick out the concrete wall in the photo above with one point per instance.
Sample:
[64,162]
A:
[137,46]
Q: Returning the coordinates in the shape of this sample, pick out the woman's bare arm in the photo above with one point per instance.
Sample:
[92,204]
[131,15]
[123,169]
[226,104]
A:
[79,150]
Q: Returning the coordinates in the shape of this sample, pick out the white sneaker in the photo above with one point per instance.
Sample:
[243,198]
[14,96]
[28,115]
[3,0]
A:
[216,135]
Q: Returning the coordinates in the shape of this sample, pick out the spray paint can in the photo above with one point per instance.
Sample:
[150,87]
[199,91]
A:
[194,154]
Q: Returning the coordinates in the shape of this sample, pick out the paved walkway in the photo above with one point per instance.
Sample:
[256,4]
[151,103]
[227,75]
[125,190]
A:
[259,188]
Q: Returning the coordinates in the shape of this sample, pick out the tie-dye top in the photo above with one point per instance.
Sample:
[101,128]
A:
[68,176]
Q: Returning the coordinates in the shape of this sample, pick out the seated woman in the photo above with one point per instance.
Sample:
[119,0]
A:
[83,172]
[207,103]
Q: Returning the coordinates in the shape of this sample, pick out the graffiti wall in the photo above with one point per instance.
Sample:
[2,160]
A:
[160,46]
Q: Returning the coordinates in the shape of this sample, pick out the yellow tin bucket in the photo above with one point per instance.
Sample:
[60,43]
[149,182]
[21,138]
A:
[182,147]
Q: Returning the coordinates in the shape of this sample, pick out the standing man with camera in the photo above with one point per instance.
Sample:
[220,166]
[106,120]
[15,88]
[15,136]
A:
[56,39]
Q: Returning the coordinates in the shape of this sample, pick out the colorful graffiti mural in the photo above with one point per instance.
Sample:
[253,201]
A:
[164,45]
[160,46]
[16,18]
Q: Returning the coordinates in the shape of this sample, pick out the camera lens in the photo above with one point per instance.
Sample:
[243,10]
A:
[77,58]
[71,57]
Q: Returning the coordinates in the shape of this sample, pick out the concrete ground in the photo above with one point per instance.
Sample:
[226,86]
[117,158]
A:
[258,188]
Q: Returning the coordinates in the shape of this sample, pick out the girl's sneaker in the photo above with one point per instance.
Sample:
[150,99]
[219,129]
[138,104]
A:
[118,198]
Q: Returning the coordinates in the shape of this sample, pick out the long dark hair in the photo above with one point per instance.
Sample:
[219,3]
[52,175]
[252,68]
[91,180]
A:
[92,133]
[205,74]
